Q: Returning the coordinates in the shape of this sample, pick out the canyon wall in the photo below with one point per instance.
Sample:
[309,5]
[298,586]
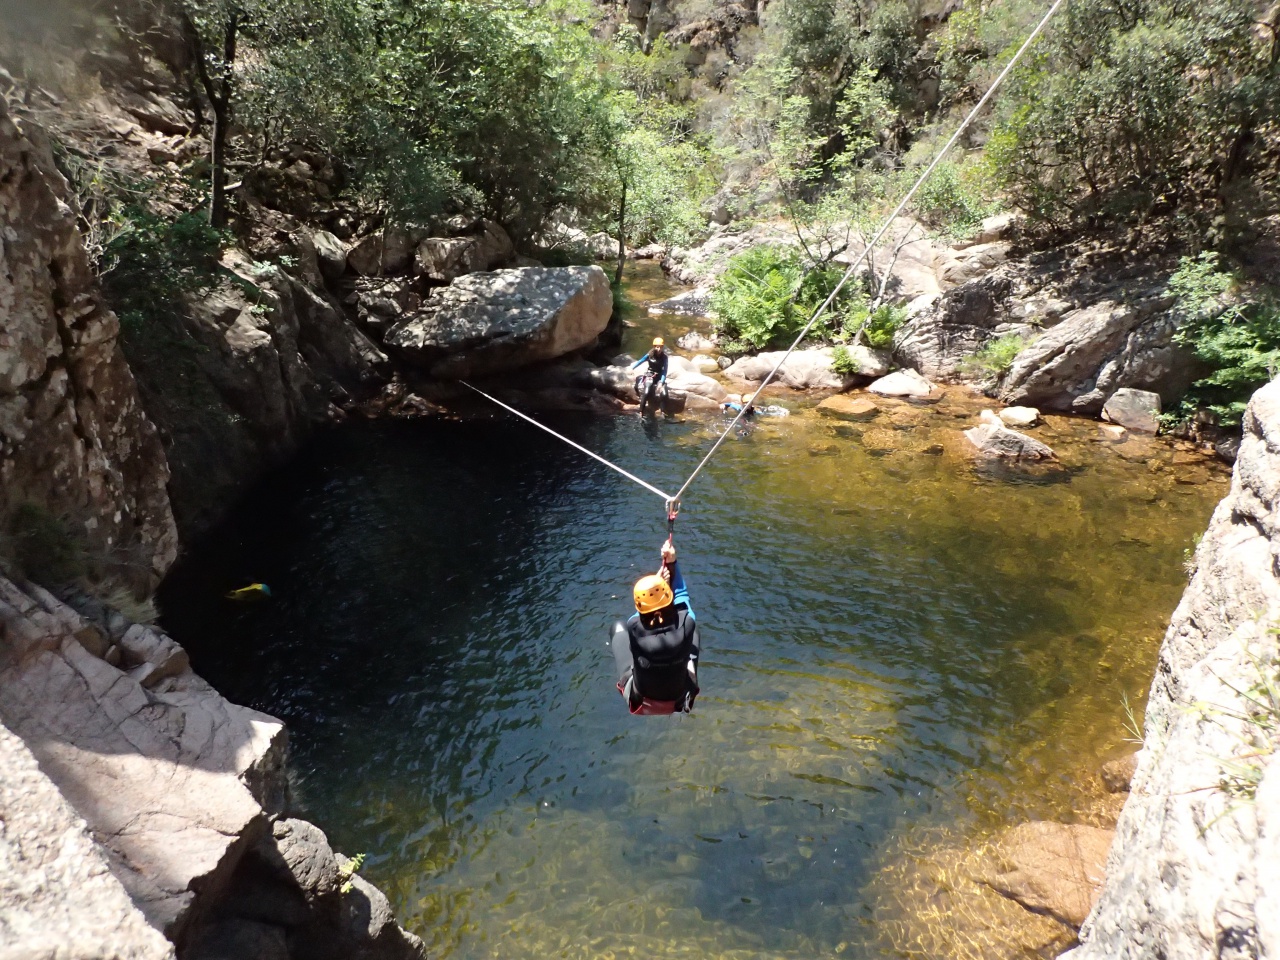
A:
[1195,868]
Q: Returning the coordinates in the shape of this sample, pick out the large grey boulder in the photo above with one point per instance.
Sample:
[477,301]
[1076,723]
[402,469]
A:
[1137,410]
[1094,351]
[486,323]
[810,369]
[58,895]
[1193,872]
[444,259]
[902,383]
[956,325]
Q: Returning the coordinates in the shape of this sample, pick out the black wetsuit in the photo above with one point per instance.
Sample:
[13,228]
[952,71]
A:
[657,365]
[653,661]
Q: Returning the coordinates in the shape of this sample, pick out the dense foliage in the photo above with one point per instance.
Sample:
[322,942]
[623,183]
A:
[768,293]
[1236,336]
[436,107]
[1142,108]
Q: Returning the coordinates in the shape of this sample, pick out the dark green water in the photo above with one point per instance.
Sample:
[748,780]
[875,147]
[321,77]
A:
[898,645]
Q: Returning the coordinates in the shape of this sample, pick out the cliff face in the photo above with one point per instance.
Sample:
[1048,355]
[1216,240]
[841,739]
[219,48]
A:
[1195,868]
[73,438]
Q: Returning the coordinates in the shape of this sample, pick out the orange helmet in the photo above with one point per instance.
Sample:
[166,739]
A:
[652,593]
[658,341]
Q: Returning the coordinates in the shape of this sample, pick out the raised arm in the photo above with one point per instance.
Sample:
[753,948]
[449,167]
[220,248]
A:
[680,589]
[640,361]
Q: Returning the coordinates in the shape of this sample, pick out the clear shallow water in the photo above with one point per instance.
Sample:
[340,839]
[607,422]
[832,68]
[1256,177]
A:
[899,645]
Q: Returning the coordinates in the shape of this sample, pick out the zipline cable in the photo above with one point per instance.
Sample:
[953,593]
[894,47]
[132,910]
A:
[826,304]
[595,456]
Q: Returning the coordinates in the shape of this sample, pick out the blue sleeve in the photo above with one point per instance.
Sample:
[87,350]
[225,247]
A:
[640,361]
[665,361]
[681,589]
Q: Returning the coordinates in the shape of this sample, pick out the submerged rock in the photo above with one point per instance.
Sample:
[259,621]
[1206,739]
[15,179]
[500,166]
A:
[1137,410]
[485,323]
[843,407]
[1116,775]
[1051,868]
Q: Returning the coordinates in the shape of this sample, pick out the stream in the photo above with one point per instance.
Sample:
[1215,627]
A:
[904,651]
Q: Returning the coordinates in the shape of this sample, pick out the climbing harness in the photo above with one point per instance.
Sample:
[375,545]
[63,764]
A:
[674,501]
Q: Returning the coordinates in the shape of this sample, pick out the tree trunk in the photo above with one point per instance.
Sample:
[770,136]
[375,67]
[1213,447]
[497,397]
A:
[218,91]
[221,103]
[622,235]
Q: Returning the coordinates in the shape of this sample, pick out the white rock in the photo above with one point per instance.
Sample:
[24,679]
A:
[1020,416]
[902,383]
[705,364]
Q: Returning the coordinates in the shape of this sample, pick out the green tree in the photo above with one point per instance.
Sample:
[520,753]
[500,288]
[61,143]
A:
[1142,107]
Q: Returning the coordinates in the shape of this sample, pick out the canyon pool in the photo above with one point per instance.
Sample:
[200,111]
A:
[905,651]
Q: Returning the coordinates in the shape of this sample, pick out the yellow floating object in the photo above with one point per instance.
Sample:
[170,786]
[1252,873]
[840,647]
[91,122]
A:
[254,591]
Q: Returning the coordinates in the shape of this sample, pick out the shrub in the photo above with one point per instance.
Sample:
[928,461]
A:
[1238,339]
[766,295]
[842,361]
[882,323]
[951,200]
[995,356]
[43,547]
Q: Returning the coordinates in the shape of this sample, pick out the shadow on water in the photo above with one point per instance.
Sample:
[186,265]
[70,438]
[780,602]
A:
[892,643]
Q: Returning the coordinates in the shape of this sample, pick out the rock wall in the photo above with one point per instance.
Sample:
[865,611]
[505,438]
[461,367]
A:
[184,795]
[1195,868]
[73,438]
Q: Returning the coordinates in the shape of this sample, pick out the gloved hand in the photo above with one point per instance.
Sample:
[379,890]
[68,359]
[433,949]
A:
[668,553]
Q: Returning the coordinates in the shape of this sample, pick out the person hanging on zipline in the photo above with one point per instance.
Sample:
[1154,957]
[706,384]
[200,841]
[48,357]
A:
[656,651]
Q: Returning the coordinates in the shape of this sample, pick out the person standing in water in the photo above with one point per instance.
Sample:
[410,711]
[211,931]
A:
[656,651]
[657,359]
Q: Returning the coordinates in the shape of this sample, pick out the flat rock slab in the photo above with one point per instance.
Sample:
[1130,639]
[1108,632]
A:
[1136,410]
[486,323]
[169,776]
[60,898]
[843,407]
[1054,869]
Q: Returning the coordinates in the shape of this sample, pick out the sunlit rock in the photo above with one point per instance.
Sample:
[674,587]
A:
[486,323]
